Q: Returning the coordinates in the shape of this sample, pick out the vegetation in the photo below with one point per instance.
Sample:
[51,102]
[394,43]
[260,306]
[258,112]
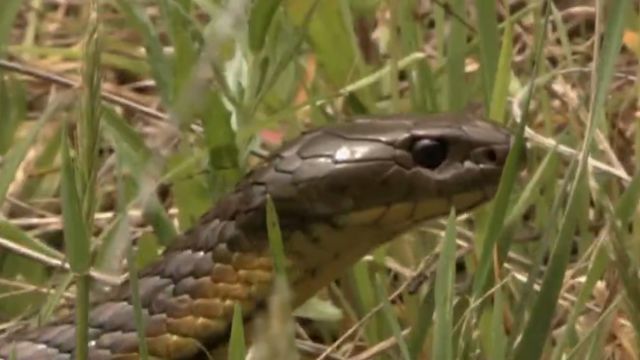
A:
[122,121]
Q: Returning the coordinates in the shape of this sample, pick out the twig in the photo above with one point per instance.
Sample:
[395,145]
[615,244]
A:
[62,81]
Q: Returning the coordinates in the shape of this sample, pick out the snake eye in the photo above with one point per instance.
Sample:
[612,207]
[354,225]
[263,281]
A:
[429,153]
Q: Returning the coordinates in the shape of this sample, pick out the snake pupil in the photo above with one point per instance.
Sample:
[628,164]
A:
[429,153]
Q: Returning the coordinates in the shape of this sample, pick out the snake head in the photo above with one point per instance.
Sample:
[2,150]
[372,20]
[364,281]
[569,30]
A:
[389,170]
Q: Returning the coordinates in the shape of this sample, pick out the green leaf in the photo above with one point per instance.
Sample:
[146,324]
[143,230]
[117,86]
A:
[262,14]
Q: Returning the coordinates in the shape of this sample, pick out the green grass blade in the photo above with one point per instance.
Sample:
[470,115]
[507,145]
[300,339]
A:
[126,139]
[391,319]
[11,232]
[609,54]
[8,11]
[184,38]
[503,77]
[366,299]
[76,236]
[76,233]
[498,214]
[531,190]
[88,137]
[528,197]
[220,138]
[535,332]
[262,13]
[421,328]
[626,263]
[12,160]
[47,310]
[445,280]
[628,203]
[156,215]
[237,347]
[596,270]
[497,349]
[13,109]
[160,65]
[491,233]
[412,36]
[330,37]
[79,192]
[136,156]
[488,43]
[137,305]
[455,64]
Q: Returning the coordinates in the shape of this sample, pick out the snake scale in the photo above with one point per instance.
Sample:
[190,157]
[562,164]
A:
[340,191]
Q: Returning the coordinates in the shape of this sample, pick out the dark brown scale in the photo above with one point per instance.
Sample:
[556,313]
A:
[362,130]
[320,146]
[110,316]
[287,164]
[118,343]
[312,169]
[180,264]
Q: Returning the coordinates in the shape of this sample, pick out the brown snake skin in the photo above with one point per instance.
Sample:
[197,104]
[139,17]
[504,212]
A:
[340,192]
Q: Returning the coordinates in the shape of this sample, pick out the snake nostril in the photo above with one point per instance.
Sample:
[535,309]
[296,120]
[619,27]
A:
[491,155]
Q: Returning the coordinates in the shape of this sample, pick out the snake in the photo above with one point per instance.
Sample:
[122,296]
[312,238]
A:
[340,191]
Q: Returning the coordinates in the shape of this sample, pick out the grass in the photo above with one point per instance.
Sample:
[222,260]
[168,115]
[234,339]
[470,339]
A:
[164,121]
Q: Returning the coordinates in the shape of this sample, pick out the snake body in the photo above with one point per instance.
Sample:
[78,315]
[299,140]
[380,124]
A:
[340,191]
